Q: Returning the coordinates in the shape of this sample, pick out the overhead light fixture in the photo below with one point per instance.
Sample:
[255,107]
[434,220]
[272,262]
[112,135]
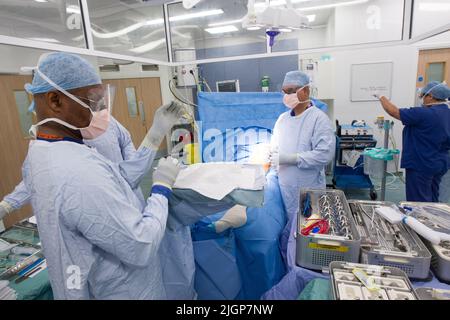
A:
[334,5]
[311,17]
[253,28]
[45,40]
[149,46]
[41,1]
[200,14]
[223,23]
[277,3]
[222,29]
[133,27]
[73,9]
[434,6]
[325,6]
[285,30]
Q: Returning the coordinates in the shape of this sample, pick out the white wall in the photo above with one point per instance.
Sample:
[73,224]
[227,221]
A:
[438,41]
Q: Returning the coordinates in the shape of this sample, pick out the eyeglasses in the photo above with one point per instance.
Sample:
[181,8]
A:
[290,90]
[99,98]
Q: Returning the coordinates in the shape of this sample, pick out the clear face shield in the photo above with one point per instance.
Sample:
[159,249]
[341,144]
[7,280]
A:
[99,100]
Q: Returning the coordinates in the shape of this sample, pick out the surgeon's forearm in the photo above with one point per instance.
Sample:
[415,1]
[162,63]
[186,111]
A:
[135,169]
[390,108]
[19,197]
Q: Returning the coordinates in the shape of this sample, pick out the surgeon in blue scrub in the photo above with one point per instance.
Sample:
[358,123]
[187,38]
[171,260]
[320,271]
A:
[303,143]
[426,141]
[99,239]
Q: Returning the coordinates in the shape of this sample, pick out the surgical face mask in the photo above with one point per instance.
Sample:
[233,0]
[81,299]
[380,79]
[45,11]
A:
[291,100]
[100,109]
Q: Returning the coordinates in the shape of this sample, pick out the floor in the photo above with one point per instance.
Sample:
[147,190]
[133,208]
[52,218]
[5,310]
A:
[395,191]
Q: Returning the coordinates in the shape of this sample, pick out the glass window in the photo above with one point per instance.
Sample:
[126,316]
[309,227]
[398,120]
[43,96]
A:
[429,15]
[343,22]
[26,117]
[213,29]
[436,71]
[132,102]
[54,21]
[134,28]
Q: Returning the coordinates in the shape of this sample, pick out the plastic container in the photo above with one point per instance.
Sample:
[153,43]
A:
[378,247]
[392,283]
[316,251]
[374,159]
[437,217]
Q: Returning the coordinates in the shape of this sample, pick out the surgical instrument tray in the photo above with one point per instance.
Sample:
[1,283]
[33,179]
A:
[437,217]
[380,282]
[335,238]
[433,294]
[386,244]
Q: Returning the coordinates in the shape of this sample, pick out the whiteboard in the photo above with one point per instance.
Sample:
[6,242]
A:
[370,78]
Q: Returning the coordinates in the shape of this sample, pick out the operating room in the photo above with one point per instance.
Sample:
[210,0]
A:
[224,150]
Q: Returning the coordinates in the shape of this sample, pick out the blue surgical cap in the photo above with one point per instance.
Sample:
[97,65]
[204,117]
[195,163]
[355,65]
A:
[296,78]
[438,90]
[67,70]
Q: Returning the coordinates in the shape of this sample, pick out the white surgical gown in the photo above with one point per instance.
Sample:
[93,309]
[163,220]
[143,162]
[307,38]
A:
[311,135]
[98,238]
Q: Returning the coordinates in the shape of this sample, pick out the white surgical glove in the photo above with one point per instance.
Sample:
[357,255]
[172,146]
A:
[234,218]
[166,173]
[5,208]
[165,118]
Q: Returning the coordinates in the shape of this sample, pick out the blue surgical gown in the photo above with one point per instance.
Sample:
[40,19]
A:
[100,241]
[115,145]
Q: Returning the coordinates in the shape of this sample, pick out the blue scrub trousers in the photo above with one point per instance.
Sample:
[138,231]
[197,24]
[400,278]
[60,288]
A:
[422,187]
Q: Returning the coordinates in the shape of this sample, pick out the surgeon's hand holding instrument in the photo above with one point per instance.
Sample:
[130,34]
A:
[165,118]
[166,173]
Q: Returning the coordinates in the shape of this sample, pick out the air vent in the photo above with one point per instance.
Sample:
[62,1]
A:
[150,67]
[110,68]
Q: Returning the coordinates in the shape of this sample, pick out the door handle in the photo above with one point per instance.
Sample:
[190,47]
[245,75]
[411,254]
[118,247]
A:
[142,112]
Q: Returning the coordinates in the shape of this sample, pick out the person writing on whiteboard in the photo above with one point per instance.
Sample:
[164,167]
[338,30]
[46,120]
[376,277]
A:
[426,141]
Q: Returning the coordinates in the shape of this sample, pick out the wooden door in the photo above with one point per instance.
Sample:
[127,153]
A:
[135,103]
[434,65]
[14,139]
